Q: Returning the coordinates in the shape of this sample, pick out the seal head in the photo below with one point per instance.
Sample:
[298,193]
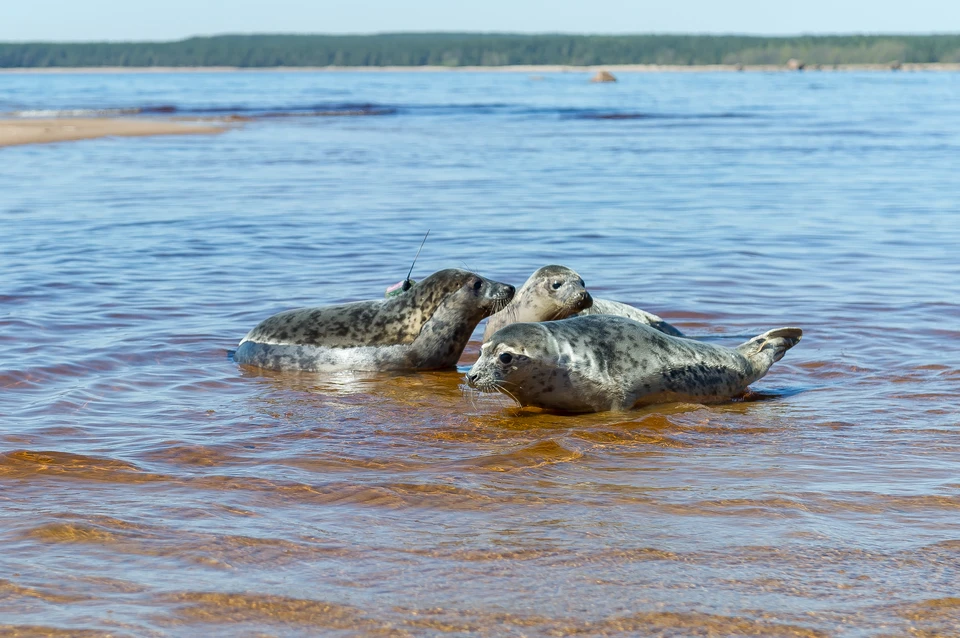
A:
[525,362]
[552,292]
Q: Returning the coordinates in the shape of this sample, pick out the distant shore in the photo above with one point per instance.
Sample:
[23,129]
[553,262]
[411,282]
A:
[546,68]
[14,132]
[491,51]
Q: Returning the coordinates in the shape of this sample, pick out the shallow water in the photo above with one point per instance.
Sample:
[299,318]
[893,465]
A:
[149,486]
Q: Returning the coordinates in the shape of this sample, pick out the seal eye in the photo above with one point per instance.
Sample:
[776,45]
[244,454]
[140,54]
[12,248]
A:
[506,357]
[556,285]
[478,284]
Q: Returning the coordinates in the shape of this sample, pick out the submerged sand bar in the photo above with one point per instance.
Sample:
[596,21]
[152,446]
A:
[47,130]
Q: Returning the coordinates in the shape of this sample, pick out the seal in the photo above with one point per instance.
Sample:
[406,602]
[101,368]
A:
[557,292]
[378,322]
[599,362]
[552,292]
[426,328]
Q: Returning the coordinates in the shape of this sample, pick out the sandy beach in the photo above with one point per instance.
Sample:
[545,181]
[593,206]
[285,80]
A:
[47,130]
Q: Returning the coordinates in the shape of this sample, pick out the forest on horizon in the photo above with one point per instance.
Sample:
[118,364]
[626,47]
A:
[466,49]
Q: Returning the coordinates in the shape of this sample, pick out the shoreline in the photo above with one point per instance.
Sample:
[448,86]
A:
[18,132]
[526,68]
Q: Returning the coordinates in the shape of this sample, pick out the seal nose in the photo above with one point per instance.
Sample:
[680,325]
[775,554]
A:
[587,299]
[511,290]
[472,378]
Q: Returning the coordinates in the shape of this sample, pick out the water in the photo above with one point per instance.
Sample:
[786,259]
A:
[151,487]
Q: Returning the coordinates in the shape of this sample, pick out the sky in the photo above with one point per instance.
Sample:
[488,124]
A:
[95,20]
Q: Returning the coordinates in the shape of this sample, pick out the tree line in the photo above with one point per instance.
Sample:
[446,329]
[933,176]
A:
[463,49]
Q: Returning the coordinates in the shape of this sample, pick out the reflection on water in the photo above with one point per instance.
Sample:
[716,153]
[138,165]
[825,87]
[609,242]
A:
[149,486]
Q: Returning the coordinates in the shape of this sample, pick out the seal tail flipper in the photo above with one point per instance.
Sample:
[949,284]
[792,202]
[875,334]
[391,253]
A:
[771,345]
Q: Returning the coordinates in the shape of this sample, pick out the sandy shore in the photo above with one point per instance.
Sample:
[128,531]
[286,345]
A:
[615,68]
[47,130]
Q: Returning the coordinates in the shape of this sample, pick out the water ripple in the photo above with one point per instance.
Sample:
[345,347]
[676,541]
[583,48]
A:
[148,485]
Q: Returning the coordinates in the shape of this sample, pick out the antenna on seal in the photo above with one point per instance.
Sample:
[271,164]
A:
[409,282]
[405,285]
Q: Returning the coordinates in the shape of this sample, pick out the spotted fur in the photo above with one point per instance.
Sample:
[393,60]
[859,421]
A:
[375,335]
[600,362]
[378,322]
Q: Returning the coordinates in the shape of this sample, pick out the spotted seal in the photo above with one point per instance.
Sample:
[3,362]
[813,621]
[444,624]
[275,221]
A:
[617,309]
[557,292]
[425,328]
[599,362]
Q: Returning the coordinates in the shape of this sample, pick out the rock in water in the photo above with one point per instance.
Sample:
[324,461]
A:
[603,76]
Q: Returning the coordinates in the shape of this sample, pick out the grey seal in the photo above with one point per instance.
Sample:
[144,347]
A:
[599,362]
[425,328]
[557,292]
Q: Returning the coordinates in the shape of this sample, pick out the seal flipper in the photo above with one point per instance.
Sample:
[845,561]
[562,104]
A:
[619,309]
[665,327]
[770,347]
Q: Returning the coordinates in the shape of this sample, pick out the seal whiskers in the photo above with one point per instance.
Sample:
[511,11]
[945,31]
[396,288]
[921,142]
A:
[500,386]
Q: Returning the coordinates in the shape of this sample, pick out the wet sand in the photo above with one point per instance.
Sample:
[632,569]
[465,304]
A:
[14,132]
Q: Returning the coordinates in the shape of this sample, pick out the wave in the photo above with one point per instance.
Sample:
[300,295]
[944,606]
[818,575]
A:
[299,110]
[264,111]
[630,115]
[341,109]
[43,113]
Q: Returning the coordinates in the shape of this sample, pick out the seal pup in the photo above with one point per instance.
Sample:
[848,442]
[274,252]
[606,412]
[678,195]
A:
[557,292]
[357,336]
[598,362]
[552,292]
